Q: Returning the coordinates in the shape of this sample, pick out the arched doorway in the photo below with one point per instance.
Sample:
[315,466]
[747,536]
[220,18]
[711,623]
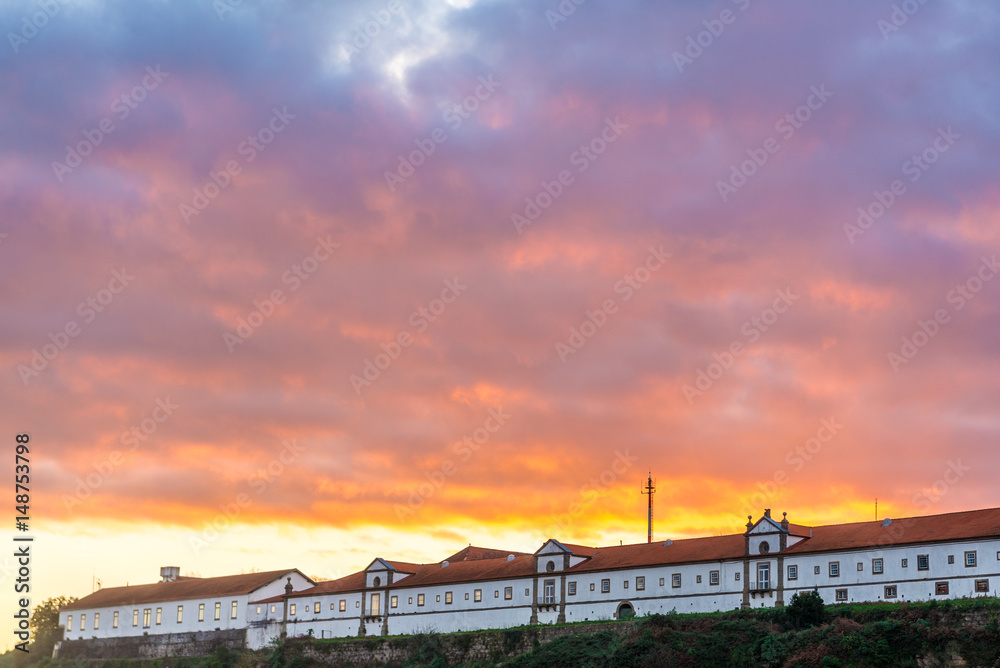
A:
[625,611]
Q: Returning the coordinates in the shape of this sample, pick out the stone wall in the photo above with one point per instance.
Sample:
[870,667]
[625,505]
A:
[159,646]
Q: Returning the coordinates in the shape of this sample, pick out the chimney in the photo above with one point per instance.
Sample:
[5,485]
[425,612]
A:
[289,588]
[169,573]
[767,513]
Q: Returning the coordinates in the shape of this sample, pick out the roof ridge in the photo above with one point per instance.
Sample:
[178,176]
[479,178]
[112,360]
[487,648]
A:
[900,519]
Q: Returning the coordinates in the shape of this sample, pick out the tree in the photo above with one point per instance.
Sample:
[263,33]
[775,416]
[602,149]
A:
[45,628]
[806,609]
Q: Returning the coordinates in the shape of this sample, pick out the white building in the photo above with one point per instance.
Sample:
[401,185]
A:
[915,559]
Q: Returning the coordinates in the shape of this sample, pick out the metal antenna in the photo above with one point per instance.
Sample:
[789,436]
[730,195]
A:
[650,490]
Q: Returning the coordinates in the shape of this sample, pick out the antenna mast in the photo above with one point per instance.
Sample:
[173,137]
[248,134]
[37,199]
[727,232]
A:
[649,490]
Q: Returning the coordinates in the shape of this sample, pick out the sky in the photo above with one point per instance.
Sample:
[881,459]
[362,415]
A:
[299,284]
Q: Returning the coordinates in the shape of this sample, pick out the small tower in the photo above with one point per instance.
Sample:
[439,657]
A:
[649,490]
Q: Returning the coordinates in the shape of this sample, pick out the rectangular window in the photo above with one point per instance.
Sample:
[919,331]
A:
[159,615]
[466,596]
[477,596]
[508,593]
[982,586]
[114,620]
[527,592]
[793,572]
[357,604]
[410,600]
[394,602]
[549,593]
[591,586]
[273,607]
[890,591]
[69,623]
[941,588]
[861,566]
[764,576]
[605,586]
[951,559]
[83,622]
[877,566]
[571,589]
[447,597]
[343,605]
[233,608]
[970,558]
[180,613]
[697,579]
[923,562]
[376,606]
[640,583]
[496,593]
[904,563]
[624,584]
[438,598]
[841,595]
[815,570]
[675,580]
[201,612]
[146,616]
[218,610]
[661,582]
[713,577]
[420,599]
[97,620]
[135,618]
[737,576]
[834,569]
[315,608]
[291,609]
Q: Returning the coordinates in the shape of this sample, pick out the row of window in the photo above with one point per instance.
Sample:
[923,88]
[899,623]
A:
[940,589]
[147,615]
[878,566]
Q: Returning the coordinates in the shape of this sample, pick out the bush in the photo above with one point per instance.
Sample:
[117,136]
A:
[805,610]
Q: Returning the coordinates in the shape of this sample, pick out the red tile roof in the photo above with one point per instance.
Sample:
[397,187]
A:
[712,548]
[180,589]
[473,553]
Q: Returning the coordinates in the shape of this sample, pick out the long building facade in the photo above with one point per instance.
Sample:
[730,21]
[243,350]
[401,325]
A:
[954,555]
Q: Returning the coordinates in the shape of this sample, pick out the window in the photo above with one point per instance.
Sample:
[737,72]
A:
[272,609]
[713,577]
[394,602]
[675,580]
[527,592]
[97,620]
[438,599]
[410,600]
[477,596]
[861,566]
[233,607]
[315,608]
[69,623]
[605,586]
[83,622]
[420,599]
[876,566]
[201,612]
[841,594]
[549,567]
[146,615]
[591,586]
[466,596]
[159,615]
[982,586]
[343,605]
[923,562]
[941,588]
[661,582]
[815,570]
[571,589]
[890,591]
[291,609]
[508,593]
[834,569]
[376,606]
[114,620]
[218,610]
[793,572]
[764,576]
[180,613]
[737,576]
[951,559]
[624,584]
[904,563]
[496,593]
[135,618]
[377,582]
[259,607]
[640,583]
[697,579]
[357,604]
[970,558]
[549,592]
